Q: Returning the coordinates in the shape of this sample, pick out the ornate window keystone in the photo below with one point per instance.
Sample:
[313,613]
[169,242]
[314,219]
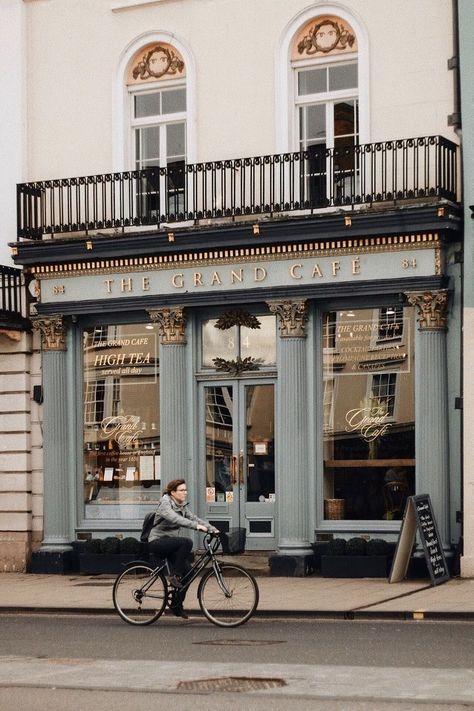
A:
[172,325]
[292,317]
[432,308]
[53,332]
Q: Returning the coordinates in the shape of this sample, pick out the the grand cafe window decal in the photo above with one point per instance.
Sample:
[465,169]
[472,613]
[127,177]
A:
[121,420]
[368,413]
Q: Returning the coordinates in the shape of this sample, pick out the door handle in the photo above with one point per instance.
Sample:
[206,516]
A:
[233,469]
[241,469]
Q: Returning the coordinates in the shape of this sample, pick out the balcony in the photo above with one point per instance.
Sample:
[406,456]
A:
[272,186]
[12,292]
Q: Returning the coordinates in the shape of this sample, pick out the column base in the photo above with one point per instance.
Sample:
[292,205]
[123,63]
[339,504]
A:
[54,561]
[467,566]
[296,564]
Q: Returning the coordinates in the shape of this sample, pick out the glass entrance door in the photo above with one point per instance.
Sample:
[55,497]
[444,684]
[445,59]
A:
[239,460]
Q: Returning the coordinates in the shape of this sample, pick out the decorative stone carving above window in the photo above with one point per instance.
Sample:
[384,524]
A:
[155,62]
[326,34]
[237,317]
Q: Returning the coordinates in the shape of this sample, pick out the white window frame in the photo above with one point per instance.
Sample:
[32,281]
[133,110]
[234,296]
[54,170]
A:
[285,76]
[160,120]
[123,155]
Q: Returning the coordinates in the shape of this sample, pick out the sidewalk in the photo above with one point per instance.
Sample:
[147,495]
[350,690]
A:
[313,596]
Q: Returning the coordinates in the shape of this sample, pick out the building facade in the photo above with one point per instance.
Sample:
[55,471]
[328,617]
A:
[256,282]
[466,54]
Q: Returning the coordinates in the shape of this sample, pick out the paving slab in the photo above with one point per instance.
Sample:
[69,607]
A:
[312,595]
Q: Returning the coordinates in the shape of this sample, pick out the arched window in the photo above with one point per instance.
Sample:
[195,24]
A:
[156,84]
[324,62]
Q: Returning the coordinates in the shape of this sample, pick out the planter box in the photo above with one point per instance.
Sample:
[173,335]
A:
[97,563]
[354,566]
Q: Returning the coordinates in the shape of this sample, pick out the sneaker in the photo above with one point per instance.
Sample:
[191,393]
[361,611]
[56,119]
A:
[174,581]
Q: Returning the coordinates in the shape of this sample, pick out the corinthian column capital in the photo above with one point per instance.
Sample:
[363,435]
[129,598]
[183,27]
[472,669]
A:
[52,330]
[292,317]
[171,323]
[432,308]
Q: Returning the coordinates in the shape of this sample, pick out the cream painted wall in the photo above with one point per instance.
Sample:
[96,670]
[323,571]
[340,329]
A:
[75,48]
[12,117]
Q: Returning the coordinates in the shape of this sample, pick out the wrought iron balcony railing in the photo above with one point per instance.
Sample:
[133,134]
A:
[12,301]
[310,180]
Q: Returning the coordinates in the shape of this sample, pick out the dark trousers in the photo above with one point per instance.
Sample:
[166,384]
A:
[176,549]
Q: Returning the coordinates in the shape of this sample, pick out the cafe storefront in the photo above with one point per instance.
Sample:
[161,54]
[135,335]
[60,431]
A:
[301,387]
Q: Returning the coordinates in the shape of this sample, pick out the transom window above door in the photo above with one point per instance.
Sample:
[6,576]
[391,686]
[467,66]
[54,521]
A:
[238,341]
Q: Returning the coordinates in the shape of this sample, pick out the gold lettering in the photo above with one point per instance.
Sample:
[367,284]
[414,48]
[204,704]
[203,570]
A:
[197,277]
[126,285]
[335,268]
[234,276]
[356,266]
[293,273]
[316,271]
[178,280]
[146,283]
[108,284]
[260,274]
[215,279]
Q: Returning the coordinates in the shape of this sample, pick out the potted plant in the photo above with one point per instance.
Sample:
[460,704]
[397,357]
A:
[107,555]
[356,558]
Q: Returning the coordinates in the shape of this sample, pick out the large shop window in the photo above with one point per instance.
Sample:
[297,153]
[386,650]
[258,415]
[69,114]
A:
[121,421]
[368,413]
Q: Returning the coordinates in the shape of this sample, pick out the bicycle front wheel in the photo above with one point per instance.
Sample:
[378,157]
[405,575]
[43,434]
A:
[139,597]
[229,596]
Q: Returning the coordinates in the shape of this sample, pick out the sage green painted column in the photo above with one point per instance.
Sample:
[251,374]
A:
[173,396]
[56,536]
[431,404]
[292,429]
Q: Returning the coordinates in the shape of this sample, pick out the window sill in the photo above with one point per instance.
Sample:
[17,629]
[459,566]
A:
[118,5]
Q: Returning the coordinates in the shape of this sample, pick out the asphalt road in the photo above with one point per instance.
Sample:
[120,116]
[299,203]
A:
[64,663]
[358,643]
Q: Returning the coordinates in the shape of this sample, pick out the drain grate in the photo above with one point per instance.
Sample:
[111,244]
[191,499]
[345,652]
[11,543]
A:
[230,683]
[240,642]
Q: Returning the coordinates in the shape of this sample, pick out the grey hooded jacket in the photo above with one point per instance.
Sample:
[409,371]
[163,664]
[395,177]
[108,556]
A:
[170,517]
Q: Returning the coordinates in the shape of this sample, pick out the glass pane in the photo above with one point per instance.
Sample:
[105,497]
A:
[312,81]
[147,146]
[369,413]
[219,432]
[315,128]
[344,118]
[260,343]
[175,141]
[174,100]
[260,443]
[343,76]
[147,104]
[121,421]
[217,343]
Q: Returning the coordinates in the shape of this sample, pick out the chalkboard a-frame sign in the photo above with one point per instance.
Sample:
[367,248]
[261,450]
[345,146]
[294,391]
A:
[419,516]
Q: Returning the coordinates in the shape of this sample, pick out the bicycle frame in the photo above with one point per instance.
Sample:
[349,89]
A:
[211,544]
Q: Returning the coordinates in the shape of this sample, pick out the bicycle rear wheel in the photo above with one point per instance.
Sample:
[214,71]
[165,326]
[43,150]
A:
[229,598]
[138,596]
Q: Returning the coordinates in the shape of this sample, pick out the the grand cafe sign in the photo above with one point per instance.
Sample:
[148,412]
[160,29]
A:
[127,278]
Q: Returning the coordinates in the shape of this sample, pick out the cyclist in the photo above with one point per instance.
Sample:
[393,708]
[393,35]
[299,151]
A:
[164,540]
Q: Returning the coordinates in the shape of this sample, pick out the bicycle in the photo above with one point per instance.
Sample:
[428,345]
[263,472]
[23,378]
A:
[228,594]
